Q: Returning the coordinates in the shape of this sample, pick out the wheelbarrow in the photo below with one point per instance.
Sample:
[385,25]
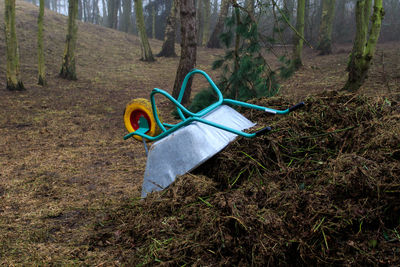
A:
[181,147]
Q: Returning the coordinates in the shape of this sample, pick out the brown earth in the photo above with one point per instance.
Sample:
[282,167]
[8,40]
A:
[64,167]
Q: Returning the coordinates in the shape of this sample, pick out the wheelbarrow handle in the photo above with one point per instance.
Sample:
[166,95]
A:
[263,131]
[297,106]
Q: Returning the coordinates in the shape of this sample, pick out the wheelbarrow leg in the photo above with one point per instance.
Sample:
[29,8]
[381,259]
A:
[145,147]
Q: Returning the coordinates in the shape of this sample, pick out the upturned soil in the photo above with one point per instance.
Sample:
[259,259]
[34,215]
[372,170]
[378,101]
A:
[321,188]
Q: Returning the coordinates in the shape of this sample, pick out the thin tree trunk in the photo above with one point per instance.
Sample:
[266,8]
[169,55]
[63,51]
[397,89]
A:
[188,48]
[80,10]
[168,48]
[104,22]
[297,41]
[199,21]
[54,5]
[153,23]
[215,11]
[85,15]
[68,70]
[147,55]
[364,44]
[126,25]
[325,33]
[307,20]
[250,6]
[214,41]
[14,81]
[41,66]
[96,12]
[206,21]
[113,7]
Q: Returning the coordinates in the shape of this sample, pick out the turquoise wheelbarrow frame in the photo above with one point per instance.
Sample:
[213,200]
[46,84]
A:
[192,117]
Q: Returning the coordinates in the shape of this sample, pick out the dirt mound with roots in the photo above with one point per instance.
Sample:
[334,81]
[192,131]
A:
[322,188]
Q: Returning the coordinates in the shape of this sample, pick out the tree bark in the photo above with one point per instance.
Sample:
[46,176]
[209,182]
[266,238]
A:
[199,21]
[364,44]
[13,78]
[96,12]
[113,7]
[68,70]
[206,21]
[153,23]
[147,54]
[41,66]
[188,48]
[249,4]
[126,25]
[80,10]
[168,48]
[105,16]
[214,41]
[297,41]
[325,32]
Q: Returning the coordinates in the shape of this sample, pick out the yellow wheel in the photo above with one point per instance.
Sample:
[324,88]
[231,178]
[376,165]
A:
[136,109]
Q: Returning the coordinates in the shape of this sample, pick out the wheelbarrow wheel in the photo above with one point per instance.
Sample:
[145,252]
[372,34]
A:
[136,109]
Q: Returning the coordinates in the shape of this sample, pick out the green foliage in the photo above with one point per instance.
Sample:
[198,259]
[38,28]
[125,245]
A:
[245,72]
[203,99]
[286,70]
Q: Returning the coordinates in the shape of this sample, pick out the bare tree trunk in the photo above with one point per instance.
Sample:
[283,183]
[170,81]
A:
[188,48]
[84,7]
[214,41]
[147,55]
[297,40]
[325,31]
[113,7]
[206,21]
[104,22]
[364,43]
[54,5]
[41,66]
[68,70]
[14,81]
[249,4]
[153,22]
[199,21]
[168,48]
[96,12]
[80,10]
[126,25]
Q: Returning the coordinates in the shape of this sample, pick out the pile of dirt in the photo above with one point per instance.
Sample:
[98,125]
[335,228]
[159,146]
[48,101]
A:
[322,188]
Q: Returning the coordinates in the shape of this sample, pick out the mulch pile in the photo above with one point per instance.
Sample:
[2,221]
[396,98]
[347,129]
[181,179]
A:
[322,188]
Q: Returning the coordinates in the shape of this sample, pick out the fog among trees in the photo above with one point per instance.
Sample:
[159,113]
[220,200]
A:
[339,15]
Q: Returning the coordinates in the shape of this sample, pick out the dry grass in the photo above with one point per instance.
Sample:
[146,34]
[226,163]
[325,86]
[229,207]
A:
[62,158]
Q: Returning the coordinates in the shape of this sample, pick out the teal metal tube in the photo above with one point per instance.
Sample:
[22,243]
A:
[169,125]
[197,116]
[248,105]
[184,123]
[213,85]
[163,134]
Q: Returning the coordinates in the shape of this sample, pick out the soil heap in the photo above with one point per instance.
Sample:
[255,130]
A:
[322,188]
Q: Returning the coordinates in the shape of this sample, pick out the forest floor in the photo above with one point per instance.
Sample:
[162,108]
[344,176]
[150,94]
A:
[64,166]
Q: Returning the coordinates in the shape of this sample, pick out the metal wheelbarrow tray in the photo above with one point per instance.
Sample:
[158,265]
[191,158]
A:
[184,146]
